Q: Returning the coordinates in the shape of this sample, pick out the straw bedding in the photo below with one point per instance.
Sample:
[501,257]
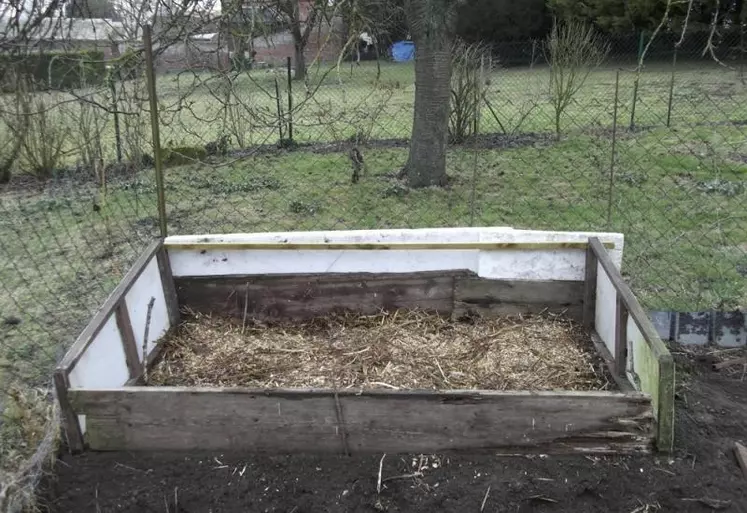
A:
[401,350]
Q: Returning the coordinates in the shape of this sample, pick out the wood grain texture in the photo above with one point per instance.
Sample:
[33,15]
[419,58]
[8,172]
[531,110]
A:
[70,424]
[276,297]
[740,451]
[621,337]
[124,324]
[380,246]
[620,380]
[665,390]
[169,288]
[590,289]
[474,295]
[287,421]
[92,329]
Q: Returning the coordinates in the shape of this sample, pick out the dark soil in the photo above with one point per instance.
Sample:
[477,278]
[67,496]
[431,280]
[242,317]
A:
[702,474]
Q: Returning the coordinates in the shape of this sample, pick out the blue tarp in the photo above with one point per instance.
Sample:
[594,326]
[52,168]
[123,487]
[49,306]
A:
[403,51]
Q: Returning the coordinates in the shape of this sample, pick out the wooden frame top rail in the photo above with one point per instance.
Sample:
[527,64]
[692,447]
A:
[108,308]
[358,246]
[629,300]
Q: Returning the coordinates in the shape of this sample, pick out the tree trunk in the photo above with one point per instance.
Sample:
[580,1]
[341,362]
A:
[300,63]
[432,25]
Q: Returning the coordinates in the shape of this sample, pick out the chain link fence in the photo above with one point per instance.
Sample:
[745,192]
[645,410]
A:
[249,144]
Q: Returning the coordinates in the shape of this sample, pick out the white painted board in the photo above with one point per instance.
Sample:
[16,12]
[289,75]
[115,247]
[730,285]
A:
[102,365]
[146,286]
[499,264]
[605,316]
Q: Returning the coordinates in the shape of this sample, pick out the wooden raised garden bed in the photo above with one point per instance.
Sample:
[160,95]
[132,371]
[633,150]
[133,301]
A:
[419,325]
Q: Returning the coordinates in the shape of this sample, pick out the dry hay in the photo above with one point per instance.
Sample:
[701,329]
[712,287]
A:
[401,350]
[29,429]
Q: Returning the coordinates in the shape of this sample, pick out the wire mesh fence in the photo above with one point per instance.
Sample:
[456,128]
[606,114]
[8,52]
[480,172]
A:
[248,143]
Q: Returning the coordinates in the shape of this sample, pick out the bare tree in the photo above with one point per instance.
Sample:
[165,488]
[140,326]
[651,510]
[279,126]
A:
[573,50]
[433,28]
[301,24]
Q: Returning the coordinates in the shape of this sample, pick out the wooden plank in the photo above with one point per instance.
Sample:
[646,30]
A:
[276,297]
[481,296]
[169,288]
[590,289]
[621,337]
[621,381]
[631,303]
[740,452]
[380,246]
[287,421]
[664,362]
[70,424]
[124,324]
[92,329]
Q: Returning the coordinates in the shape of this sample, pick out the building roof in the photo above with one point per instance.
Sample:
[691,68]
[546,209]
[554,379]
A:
[68,29]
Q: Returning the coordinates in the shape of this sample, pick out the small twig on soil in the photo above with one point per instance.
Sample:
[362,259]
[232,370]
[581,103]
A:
[402,476]
[246,308]
[381,466]
[484,500]
[145,339]
[729,363]
[96,493]
[117,464]
[711,503]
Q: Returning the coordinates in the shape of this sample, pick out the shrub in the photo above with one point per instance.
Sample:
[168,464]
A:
[56,70]
[468,63]
[45,137]
[182,155]
[572,50]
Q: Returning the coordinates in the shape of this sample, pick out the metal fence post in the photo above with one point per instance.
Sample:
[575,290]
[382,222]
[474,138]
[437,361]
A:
[610,193]
[151,78]
[671,87]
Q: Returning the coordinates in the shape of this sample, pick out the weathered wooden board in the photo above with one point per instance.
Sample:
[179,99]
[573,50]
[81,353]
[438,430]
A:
[102,316]
[740,451]
[306,296]
[284,421]
[652,364]
[507,297]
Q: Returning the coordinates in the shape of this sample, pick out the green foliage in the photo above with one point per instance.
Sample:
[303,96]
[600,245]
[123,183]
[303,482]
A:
[503,20]
[181,155]
[627,15]
[57,70]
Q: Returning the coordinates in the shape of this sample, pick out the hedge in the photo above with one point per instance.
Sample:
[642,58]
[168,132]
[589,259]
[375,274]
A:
[57,70]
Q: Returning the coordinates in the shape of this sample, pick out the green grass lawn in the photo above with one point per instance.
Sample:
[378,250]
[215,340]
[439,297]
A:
[678,193]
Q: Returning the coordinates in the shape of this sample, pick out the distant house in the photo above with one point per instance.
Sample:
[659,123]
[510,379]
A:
[69,34]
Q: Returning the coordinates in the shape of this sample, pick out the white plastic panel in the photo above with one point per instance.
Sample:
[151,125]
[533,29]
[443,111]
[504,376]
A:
[500,264]
[102,364]
[146,286]
[606,310]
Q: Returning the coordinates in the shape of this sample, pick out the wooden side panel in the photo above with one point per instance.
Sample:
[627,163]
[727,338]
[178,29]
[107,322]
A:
[307,421]
[651,357]
[590,289]
[507,297]
[148,285]
[655,378]
[103,364]
[306,296]
[605,315]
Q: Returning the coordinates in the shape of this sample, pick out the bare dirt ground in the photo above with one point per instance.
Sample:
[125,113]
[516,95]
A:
[702,474]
